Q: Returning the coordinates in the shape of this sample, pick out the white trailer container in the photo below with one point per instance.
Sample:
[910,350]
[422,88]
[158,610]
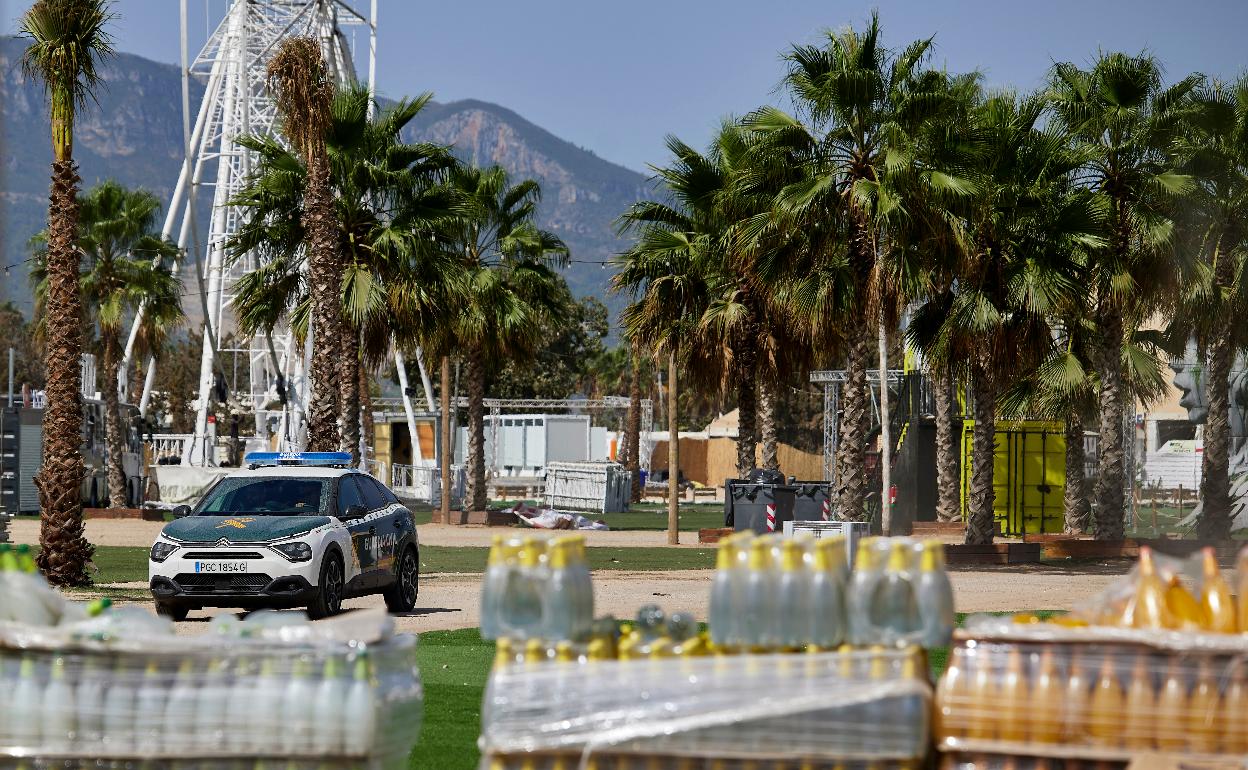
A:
[598,487]
[528,442]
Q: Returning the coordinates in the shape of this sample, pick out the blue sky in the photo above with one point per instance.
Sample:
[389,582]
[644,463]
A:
[615,77]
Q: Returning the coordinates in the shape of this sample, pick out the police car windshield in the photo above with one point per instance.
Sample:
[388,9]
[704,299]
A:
[266,496]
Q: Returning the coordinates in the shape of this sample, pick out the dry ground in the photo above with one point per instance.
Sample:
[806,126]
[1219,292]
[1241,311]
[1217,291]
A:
[450,601]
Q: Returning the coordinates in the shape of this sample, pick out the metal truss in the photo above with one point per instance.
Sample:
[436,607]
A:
[236,102]
[831,379]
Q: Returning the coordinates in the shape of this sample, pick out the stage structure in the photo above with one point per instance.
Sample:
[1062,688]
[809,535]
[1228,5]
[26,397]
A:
[236,102]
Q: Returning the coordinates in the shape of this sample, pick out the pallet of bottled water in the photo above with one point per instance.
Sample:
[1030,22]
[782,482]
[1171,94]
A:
[119,689]
[869,705]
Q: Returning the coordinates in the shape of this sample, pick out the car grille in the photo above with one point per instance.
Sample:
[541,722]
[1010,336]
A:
[225,584]
[221,555]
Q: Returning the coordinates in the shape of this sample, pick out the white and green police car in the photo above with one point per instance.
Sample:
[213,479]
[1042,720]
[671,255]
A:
[289,530]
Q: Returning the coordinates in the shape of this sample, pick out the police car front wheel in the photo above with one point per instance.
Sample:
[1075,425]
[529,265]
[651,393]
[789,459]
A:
[328,598]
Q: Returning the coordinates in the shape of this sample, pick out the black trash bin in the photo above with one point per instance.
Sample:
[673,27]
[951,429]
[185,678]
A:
[752,503]
[812,500]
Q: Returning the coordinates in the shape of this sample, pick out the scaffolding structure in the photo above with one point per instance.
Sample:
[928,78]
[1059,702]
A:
[832,380]
[236,103]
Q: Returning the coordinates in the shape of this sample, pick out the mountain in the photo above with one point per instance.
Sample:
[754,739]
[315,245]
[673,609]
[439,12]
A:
[134,135]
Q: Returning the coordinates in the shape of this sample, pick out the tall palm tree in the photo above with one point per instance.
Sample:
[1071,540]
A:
[856,100]
[117,235]
[508,290]
[303,89]
[1214,225]
[68,39]
[1018,228]
[1123,120]
[387,195]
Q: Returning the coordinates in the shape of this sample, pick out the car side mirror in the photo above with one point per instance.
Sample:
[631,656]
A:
[181,511]
[355,512]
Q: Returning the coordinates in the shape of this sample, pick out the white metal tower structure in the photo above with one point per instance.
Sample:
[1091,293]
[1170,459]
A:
[236,103]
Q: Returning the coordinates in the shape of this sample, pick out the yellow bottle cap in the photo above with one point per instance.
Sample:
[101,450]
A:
[830,553]
[599,649]
[531,552]
[557,554]
[504,652]
[726,554]
[498,553]
[534,651]
[792,556]
[898,557]
[866,558]
[564,652]
[760,554]
[933,556]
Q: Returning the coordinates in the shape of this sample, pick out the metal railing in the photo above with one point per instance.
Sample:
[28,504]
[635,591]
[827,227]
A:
[424,482]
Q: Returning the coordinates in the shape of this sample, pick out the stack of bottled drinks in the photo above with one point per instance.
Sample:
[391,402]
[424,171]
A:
[101,686]
[1157,667]
[777,593]
[536,588]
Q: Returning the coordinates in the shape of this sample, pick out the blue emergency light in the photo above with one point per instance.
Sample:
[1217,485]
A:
[304,459]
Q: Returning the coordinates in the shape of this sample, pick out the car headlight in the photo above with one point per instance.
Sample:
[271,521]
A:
[161,550]
[297,551]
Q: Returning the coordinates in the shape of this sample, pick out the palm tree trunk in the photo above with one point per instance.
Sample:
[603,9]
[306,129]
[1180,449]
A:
[980,522]
[476,432]
[747,409]
[1110,470]
[112,422]
[63,550]
[767,423]
[1215,487]
[1078,506]
[632,426]
[323,269]
[851,458]
[349,390]
[673,457]
[948,502]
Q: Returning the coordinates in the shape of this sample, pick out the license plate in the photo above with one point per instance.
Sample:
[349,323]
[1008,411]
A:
[221,566]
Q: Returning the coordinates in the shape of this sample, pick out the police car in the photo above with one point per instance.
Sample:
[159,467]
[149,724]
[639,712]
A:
[289,530]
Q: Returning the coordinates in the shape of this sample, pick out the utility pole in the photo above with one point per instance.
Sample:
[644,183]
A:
[447,450]
[886,508]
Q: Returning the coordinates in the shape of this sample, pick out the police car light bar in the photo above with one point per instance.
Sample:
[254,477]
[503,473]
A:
[306,459]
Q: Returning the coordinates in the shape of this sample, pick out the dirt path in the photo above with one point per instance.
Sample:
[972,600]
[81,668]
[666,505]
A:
[449,601]
[135,532]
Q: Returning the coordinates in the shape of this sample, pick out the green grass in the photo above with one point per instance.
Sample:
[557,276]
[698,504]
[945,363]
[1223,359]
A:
[653,516]
[454,666]
[469,559]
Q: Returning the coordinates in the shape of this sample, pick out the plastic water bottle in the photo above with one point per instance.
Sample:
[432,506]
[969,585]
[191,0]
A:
[559,600]
[331,693]
[894,612]
[359,713]
[211,704]
[119,710]
[583,585]
[240,703]
[934,595]
[493,585]
[149,704]
[264,726]
[296,710]
[790,621]
[827,593]
[522,597]
[180,709]
[760,592]
[27,696]
[57,715]
[89,702]
[724,597]
[868,570]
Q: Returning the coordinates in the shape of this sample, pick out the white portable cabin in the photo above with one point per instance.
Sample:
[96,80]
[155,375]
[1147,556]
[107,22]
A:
[527,442]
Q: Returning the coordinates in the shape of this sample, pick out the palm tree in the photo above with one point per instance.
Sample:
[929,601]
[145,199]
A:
[1018,228]
[632,423]
[1123,120]
[1214,153]
[303,89]
[387,197]
[67,41]
[509,288]
[857,101]
[116,234]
